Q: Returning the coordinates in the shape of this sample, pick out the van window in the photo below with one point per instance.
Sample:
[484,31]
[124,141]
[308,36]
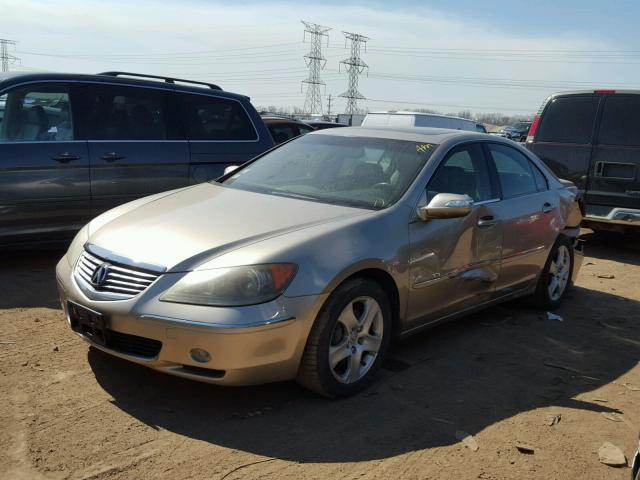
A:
[620,124]
[568,120]
[514,171]
[36,113]
[215,118]
[125,113]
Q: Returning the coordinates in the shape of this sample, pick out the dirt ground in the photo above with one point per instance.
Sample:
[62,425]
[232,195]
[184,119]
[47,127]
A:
[68,411]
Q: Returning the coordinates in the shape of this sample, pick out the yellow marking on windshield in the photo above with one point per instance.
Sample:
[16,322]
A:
[423,147]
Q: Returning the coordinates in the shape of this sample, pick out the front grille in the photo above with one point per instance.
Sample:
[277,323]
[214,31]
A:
[132,344]
[121,281]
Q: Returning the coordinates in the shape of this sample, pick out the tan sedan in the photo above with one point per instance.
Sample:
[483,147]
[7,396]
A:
[305,262]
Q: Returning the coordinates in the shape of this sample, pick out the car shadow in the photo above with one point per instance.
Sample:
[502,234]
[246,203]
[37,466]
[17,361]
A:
[465,375]
[28,279]
[620,247]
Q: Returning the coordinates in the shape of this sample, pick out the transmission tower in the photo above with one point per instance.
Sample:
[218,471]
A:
[316,62]
[354,66]
[5,57]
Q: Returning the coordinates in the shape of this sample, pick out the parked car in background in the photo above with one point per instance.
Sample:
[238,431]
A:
[73,146]
[320,125]
[516,132]
[284,128]
[417,119]
[307,261]
[593,139]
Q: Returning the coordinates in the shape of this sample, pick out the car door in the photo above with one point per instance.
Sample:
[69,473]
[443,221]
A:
[615,163]
[220,134]
[135,145]
[530,217]
[454,263]
[44,168]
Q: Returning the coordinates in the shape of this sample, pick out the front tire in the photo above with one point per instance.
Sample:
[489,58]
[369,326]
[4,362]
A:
[348,340]
[555,279]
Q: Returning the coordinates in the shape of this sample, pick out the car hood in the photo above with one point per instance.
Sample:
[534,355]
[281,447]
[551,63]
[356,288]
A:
[184,229]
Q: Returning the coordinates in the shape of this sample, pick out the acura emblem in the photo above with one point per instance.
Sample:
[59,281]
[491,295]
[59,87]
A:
[100,274]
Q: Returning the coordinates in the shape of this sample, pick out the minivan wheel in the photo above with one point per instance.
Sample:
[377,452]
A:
[555,279]
[348,340]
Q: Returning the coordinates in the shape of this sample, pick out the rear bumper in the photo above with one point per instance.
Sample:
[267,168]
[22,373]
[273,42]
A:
[613,215]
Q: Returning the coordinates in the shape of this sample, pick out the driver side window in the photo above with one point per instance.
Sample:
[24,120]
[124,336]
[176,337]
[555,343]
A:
[464,172]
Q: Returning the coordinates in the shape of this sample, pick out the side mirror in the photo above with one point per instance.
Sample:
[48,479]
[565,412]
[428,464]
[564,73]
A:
[230,169]
[446,205]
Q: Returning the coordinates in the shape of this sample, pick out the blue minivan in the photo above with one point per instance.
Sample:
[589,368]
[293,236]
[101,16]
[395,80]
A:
[73,146]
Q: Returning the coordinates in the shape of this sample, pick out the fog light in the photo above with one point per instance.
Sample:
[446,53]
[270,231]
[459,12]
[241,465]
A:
[200,355]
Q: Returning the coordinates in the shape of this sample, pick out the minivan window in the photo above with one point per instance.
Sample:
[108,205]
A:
[125,113]
[36,113]
[215,118]
[620,124]
[568,120]
[515,171]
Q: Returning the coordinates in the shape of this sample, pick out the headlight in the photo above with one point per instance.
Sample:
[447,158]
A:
[233,286]
[77,245]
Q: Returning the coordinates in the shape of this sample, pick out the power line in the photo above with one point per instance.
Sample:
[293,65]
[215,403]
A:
[316,62]
[5,57]
[354,66]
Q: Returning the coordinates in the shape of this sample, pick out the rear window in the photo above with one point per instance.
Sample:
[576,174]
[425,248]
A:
[214,118]
[568,120]
[620,124]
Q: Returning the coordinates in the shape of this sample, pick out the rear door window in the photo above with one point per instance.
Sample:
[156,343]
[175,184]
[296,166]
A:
[515,171]
[36,113]
[620,124]
[125,113]
[214,118]
[569,120]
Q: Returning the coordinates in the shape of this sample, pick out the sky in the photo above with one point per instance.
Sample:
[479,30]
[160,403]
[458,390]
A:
[498,56]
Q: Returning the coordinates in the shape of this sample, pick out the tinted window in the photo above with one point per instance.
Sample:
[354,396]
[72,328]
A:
[515,171]
[620,124]
[463,172]
[125,113]
[363,172]
[38,113]
[281,132]
[568,120]
[540,179]
[212,118]
[304,129]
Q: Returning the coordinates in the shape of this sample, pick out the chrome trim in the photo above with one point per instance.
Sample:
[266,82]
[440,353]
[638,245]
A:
[218,326]
[485,202]
[114,257]
[618,215]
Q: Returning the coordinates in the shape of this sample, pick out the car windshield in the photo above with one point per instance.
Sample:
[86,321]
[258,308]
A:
[352,171]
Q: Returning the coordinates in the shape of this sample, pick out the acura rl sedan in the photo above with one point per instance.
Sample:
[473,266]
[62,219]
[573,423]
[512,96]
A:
[307,261]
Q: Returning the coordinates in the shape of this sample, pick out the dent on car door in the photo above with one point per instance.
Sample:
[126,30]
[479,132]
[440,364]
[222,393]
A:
[530,216]
[135,146]
[44,169]
[454,263]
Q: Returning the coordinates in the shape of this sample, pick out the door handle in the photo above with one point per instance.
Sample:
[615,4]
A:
[111,156]
[547,207]
[487,221]
[65,157]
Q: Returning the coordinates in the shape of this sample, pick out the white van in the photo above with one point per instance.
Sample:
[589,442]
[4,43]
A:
[417,119]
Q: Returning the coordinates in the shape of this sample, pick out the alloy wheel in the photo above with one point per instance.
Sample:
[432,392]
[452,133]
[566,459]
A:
[559,271]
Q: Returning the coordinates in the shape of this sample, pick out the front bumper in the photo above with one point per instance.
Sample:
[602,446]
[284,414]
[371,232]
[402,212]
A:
[248,345]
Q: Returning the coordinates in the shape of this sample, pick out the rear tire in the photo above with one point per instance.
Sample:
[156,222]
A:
[348,340]
[555,279]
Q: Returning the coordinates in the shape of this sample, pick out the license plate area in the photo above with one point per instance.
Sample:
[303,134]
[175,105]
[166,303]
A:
[92,325]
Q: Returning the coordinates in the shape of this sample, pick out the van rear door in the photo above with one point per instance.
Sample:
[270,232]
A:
[564,137]
[615,163]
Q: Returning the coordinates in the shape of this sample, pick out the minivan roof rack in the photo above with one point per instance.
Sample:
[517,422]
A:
[158,77]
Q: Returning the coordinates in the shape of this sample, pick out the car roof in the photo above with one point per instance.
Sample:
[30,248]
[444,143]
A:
[412,134]
[424,114]
[21,77]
